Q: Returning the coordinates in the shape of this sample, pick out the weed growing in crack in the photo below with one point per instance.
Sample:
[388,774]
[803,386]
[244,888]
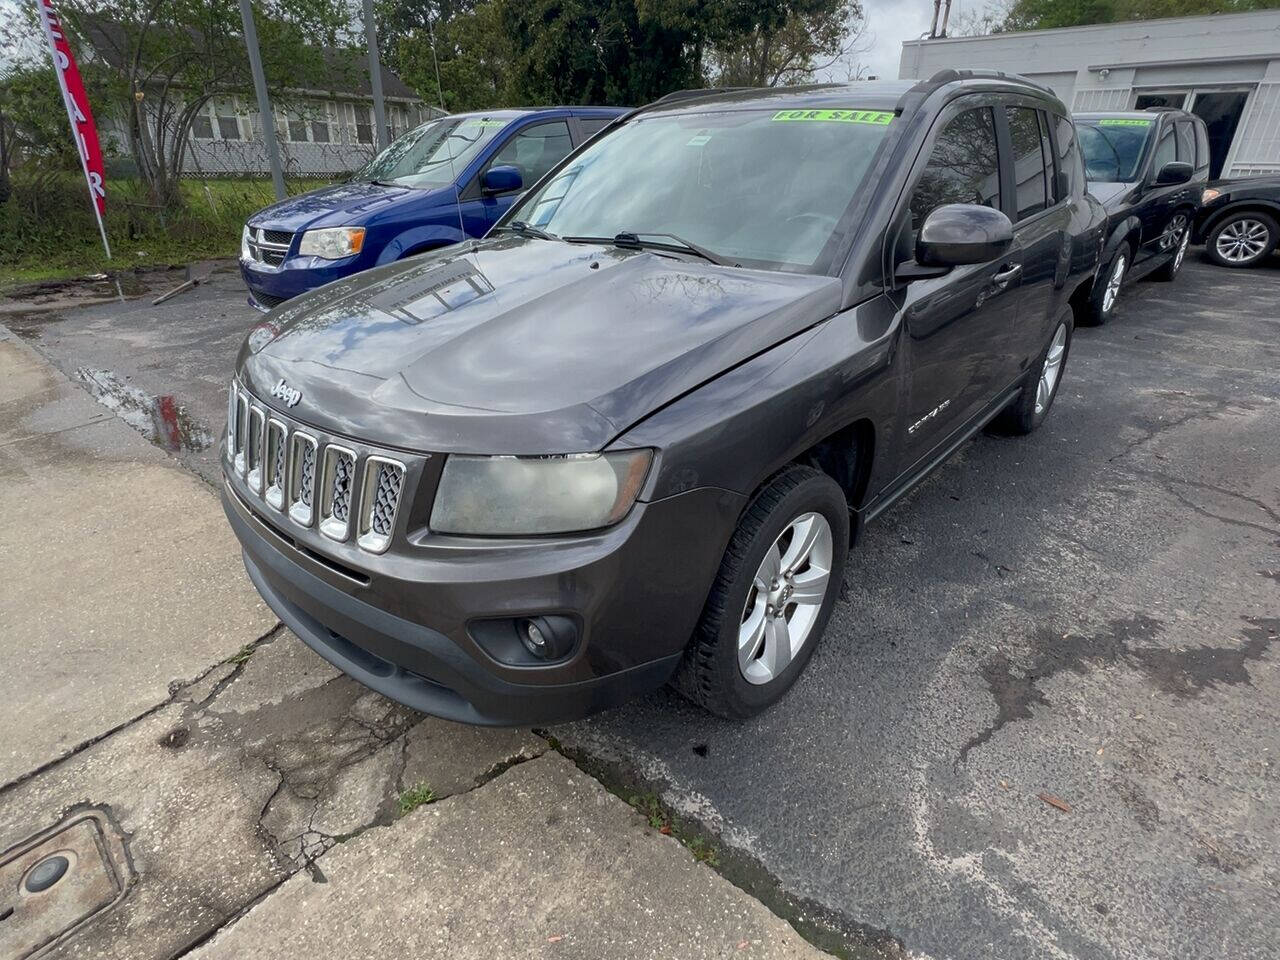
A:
[415,797]
[243,655]
[653,810]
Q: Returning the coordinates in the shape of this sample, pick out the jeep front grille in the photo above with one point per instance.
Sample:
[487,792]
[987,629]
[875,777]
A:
[345,493]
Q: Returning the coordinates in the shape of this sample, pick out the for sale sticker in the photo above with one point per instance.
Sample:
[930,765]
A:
[879,117]
[1119,122]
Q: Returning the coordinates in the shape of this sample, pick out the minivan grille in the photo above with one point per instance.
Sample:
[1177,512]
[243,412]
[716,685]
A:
[314,482]
[269,246]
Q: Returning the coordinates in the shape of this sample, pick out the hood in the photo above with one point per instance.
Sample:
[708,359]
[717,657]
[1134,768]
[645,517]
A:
[520,346]
[1111,194]
[338,205]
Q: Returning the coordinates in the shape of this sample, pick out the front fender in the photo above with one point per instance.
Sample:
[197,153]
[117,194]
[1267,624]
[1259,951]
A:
[1117,236]
[418,238]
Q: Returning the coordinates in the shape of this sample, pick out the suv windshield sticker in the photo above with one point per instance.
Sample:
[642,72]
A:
[1116,122]
[880,117]
[486,122]
[699,140]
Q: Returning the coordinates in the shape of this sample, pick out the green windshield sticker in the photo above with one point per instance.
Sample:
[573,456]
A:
[485,123]
[699,140]
[1117,122]
[880,117]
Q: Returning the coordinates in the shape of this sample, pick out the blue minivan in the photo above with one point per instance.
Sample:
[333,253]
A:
[442,182]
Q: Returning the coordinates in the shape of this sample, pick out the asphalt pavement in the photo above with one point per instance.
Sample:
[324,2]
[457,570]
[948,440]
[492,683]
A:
[1042,722]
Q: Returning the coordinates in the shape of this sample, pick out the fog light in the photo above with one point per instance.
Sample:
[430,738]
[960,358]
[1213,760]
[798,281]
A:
[535,641]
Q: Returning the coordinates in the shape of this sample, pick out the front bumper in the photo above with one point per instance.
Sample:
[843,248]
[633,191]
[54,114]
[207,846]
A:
[270,285]
[637,591]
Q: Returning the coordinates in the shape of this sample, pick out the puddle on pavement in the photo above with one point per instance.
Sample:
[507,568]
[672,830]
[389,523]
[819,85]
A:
[161,419]
[81,291]
[57,880]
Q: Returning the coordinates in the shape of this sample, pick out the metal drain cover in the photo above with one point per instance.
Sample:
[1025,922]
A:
[53,882]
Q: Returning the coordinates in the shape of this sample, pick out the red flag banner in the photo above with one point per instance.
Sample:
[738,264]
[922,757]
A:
[77,101]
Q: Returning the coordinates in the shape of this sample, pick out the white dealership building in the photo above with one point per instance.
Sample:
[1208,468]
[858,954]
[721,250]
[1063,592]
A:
[1225,68]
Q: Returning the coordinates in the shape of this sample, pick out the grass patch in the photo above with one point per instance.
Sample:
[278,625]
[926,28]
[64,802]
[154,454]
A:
[651,807]
[243,655]
[50,231]
[415,797]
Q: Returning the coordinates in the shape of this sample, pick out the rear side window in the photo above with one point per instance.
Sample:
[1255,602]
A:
[1186,141]
[535,150]
[1068,155]
[964,166]
[1202,146]
[1166,150]
[1030,159]
[593,125]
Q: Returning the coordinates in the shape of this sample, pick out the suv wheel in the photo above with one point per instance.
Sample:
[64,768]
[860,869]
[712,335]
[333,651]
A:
[1175,239]
[1040,388]
[772,597]
[1106,293]
[1242,239]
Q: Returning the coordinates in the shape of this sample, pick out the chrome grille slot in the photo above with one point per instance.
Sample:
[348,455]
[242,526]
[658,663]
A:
[337,483]
[274,481]
[253,445]
[302,478]
[380,496]
[242,429]
[232,405]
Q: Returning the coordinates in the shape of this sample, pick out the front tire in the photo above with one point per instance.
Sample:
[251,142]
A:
[1032,405]
[1243,239]
[1106,292]
[772,596]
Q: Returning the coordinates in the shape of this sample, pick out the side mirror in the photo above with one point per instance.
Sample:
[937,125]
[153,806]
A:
[1175,171]
[960,233]
[503,179]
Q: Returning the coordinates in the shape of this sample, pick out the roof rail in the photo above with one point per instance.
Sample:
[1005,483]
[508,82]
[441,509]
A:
[1161,109]
[691,93]
[922,88]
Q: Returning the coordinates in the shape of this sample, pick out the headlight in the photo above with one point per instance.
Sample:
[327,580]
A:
[332,243]
[1210,194]
[245,253]
[515,496]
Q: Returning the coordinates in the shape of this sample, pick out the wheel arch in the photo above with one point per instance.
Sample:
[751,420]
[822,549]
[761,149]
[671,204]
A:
[1252,205]
[846,456]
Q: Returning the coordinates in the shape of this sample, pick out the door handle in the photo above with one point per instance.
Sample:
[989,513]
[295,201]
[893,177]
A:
[1003,278]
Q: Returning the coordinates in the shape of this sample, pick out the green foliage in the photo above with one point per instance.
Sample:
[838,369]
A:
[31,107]
[415,797]
[1045,14]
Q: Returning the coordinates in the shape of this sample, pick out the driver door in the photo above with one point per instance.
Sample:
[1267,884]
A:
[958,326]
[533,150]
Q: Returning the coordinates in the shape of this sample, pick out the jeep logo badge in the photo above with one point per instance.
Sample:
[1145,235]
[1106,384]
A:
[286,394]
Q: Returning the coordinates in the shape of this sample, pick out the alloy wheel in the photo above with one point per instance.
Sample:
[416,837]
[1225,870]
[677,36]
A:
[1182,250]
[785,598]
[1052,368]
[1174,232]
[1242,240]
[1114,282]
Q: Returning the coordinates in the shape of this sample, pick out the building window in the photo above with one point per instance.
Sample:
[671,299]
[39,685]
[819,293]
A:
[202,127]
[228,120]
[359,120]
[217,120]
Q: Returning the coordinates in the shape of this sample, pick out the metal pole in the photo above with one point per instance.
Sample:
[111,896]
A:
[375,75]
[264,102]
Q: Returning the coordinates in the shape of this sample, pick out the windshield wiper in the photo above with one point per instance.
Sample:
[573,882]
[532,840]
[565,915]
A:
[630,240]
[526,229]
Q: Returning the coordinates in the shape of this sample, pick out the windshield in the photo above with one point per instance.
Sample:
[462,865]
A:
[758,187]
[433,154]
[1113,147]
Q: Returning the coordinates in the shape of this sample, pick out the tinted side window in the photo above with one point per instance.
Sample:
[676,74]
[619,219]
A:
[1202,147]
[964,166]
[1068,155]
[593,125]
[1166,150]
[1029,158]
[1186,137]
[535,150]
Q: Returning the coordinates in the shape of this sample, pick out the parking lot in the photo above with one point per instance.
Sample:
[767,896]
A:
[1042,722]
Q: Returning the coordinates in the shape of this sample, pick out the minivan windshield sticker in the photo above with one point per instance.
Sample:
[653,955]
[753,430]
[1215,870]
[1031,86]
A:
[1117,122]
[699,140]
[880,117]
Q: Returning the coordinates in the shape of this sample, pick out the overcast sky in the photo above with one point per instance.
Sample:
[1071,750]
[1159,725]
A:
[889,22]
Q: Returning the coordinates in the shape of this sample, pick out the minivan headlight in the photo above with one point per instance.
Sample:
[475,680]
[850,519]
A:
[332,243]
[518,496]
[245,252]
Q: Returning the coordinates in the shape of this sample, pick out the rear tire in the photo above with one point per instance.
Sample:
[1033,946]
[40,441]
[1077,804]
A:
[767,609]
[1106,290]
[1178,235]
[1040,388]
[1242,239]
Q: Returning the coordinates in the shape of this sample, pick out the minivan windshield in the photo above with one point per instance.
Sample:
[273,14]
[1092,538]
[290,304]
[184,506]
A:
[1113,147]
[755,187]
[433,154]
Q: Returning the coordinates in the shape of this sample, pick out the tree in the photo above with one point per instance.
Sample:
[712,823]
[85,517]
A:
[763,43]
[159,62]
[1044,14]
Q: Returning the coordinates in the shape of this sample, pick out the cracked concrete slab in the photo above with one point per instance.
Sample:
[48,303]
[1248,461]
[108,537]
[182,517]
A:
[120,575]
[541,862]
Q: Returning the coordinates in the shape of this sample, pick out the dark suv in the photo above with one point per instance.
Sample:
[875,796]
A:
[1149,169]
[630,436]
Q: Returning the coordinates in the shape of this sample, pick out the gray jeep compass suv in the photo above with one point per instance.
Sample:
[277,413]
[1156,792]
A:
[629,437]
